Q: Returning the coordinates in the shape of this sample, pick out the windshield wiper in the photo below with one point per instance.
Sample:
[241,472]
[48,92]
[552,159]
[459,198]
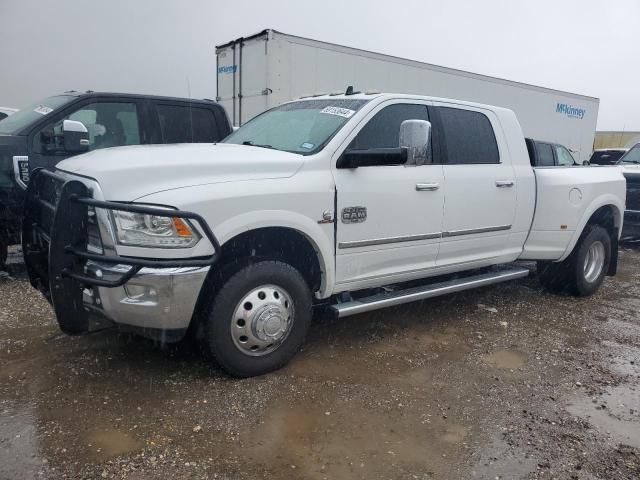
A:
[251,144]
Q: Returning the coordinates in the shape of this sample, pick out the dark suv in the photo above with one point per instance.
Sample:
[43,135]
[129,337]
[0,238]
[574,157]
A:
[606,156]
[47,132]
[546,154]
[630,163]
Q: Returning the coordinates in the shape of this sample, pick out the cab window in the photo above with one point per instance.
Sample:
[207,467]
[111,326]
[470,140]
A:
[545,155]
[187,124]
[110,124]
[469,137]
[383,130]
[565,159]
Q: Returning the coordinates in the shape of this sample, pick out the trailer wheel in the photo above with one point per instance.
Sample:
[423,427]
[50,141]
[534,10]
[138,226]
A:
[259,318]
[584,270]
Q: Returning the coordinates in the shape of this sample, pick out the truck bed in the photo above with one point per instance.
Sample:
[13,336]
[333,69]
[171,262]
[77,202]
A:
[565,201]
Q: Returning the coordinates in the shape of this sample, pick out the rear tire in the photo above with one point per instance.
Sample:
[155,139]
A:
[583,272]
[259,318]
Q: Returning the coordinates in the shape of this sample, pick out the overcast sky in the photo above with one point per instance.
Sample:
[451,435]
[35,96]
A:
[168,47]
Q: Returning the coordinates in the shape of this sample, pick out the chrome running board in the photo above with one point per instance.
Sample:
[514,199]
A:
[413,294]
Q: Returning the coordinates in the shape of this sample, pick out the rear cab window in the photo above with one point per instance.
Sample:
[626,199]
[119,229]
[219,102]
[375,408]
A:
[544,152]
[565,159]
[468,137]
[187,124]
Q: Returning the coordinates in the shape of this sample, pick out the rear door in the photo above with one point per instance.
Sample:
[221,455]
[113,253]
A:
[480,186]
[187,123]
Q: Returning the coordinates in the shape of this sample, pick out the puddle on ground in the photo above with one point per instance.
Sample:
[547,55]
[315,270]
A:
[455,434]
[620,417]
[498,460]
[626,361]
[344,441]
[623,327]
[111,443]
[506,358]
[19,450]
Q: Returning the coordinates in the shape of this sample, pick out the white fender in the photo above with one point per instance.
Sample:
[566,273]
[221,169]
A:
[598,202]
[319,235]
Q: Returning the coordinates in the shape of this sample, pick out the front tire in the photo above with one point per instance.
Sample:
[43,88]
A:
[584,270]
[259,318]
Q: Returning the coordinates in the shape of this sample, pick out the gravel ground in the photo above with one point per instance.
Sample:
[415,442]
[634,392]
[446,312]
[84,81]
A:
[502,382]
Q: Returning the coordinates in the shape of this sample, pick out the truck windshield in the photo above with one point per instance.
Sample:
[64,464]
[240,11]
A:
[302,127]
[632,156]
[17,122]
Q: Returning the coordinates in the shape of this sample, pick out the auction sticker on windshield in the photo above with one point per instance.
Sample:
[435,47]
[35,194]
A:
[43,109]
[341,112]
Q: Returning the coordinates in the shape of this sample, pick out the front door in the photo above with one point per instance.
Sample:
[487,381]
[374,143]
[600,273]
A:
[388,217]
[110,123]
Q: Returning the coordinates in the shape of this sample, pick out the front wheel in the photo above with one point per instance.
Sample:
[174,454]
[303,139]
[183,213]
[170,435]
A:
[259,318]
[584,270]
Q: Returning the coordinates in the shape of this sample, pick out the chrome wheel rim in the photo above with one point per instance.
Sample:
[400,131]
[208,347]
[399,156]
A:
[262,320]
[594,262]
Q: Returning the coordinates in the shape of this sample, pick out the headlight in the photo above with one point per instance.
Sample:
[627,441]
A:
[142,230]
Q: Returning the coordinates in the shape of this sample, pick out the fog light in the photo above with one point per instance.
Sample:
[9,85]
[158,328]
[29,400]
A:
[135,292]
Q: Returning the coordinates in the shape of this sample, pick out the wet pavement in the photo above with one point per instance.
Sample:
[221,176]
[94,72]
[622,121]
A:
[502,382]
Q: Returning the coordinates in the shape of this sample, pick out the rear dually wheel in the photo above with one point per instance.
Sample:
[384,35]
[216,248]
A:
[583,272]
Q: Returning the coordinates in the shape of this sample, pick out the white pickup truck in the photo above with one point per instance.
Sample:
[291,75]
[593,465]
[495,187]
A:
[353,202]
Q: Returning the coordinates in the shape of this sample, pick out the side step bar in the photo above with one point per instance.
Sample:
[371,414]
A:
[399,297]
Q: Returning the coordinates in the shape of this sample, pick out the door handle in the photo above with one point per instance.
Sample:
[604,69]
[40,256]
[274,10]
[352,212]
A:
[504,183]
[427,187]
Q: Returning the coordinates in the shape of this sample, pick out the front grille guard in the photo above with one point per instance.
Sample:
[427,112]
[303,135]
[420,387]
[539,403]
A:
[54,240]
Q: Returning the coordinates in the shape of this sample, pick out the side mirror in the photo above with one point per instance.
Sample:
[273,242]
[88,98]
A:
[415,136]
[76,136]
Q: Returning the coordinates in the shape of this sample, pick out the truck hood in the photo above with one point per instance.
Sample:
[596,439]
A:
[128,173]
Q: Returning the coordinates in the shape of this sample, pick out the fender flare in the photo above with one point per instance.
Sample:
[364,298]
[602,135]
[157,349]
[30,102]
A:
[607,199]
[312,231]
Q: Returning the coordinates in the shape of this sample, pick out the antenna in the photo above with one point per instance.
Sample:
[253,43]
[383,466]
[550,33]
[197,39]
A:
[350,91]
[624,127]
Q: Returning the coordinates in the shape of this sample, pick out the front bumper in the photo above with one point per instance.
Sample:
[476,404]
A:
[74,263]
[153,299]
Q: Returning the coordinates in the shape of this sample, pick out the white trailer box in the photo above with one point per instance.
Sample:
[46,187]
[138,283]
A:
[261,71]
